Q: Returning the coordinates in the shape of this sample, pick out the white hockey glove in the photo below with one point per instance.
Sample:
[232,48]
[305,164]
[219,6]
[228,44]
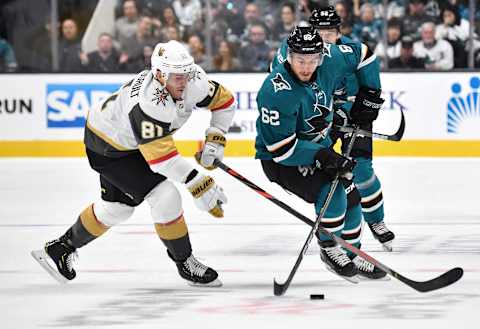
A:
[213,149]
[208,196]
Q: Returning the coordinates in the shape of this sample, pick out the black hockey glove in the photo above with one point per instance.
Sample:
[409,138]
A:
[331,163]
[340,118]
[366,106]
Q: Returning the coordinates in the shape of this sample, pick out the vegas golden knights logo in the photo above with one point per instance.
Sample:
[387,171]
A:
[161,51]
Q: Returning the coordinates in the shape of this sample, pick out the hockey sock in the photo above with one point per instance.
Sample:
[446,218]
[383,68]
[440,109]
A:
[333,220]
[352,231]
[86,228]
[174,236]
[370,189]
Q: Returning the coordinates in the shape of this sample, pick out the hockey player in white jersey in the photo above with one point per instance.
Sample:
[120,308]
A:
[129,142]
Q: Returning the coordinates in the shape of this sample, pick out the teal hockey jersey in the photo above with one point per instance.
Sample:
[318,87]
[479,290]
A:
[295,117]
[348,86]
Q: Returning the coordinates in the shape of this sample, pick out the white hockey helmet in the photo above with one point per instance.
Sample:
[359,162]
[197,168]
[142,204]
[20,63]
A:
[171,57]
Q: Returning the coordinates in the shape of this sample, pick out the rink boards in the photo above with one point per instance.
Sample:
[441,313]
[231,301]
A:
[43,115]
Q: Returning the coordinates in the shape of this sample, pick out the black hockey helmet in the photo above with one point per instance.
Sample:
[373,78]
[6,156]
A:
[325,18]
[304,39]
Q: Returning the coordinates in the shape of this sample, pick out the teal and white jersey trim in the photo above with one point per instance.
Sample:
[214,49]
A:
[287,154]
[281,143]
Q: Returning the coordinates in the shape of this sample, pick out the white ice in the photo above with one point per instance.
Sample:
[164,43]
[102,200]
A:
[126,280]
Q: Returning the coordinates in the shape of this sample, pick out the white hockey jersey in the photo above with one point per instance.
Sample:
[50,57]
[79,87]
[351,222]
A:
[142,116]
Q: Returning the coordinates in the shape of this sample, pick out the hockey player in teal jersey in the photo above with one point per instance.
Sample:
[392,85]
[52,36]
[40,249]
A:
[327,23]
[293,143]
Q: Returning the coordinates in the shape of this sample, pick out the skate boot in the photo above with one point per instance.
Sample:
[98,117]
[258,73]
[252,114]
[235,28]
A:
[197,274]
[337,261]
[382,234]
[62,254]
[368,270]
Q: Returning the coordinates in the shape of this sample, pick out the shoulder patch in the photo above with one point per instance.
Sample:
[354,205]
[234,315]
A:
[194,75]
[326,49]
[280,57]
[279,83]
[160,96]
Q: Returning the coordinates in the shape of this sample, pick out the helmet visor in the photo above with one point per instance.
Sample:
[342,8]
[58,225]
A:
[307,61]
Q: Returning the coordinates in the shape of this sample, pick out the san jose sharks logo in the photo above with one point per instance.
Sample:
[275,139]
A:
[160,95]
[319,127]
[317,122]
[279,83]
[320,99]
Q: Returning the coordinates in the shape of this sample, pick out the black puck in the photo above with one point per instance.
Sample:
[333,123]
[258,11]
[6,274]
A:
[321,296]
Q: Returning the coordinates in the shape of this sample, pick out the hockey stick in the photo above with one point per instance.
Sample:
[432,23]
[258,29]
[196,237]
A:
[280,288]
[439,282]
[397,136]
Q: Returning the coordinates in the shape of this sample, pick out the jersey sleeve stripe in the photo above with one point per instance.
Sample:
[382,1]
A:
[367,57]
[364,53]
[224,106]
[277,145]
[287,154]
[163,158]
[220,99]
[158,148]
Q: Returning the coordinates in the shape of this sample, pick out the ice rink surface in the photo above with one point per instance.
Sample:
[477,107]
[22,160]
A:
[125,279]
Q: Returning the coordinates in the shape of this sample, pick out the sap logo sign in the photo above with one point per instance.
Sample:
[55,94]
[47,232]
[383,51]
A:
[68,104]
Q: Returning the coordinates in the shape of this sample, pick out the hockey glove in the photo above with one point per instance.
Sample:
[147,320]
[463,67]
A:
[366,106]
[332,163]
[213,149]
[208,196]
[340,118]
[306,170]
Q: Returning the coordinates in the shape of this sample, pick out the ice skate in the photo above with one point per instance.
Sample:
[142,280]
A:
[337,261]
[383,235]
[197,274]
[367,270]
[60,253]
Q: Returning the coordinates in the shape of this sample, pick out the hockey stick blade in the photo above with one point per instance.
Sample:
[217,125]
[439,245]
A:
[278,289]
[439,282]
[396,137]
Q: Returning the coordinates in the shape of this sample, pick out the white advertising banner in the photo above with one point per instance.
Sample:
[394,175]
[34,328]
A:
[437,106]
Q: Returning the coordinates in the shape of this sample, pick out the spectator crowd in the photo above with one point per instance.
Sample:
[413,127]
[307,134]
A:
[243,35]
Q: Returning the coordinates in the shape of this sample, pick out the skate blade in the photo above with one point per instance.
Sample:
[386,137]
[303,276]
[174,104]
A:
[364,278]
[214,283]
[388,246]
[351,279]
[42,258]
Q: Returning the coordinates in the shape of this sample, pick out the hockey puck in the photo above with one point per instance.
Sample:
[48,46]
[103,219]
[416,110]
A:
[321,296]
